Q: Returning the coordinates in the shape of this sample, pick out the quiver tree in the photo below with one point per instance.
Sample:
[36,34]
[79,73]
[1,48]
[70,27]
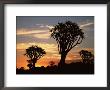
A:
[51,63]
[67,36]
[86,56]
[34,53]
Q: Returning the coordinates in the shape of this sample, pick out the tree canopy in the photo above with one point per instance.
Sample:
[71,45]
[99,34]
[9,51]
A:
[34,53]
[67,36]
[86,56]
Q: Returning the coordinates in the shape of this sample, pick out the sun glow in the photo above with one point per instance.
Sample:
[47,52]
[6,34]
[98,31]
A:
[38,33]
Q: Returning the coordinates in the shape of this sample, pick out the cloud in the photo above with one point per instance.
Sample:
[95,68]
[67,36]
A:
[43,29]
[39,24]
[50,48]
[49,26]
[45,26]
[29,31]
[51,54]
[42,36]
[86,25]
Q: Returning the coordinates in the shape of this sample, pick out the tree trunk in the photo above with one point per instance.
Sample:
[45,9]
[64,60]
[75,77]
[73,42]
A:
[62,61]
[34,61]
[33,65]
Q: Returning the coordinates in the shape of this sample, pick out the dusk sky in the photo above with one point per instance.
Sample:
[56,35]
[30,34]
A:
[34,30]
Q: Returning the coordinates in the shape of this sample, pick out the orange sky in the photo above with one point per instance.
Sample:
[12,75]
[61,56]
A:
[35,31]
[44,61]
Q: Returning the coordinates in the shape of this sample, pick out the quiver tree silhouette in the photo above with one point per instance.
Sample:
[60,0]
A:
[86,56]
[67,36]
[34,53]
[51,63]
[30,65]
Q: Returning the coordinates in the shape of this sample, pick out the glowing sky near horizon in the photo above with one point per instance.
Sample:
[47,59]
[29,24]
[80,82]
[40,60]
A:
[34,30]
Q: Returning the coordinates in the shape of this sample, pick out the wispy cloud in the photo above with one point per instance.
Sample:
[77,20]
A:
[42,36]
[49,26]
[42,33]
[29,31]
[44,26]
[50,48]
[86,25]
[39,24]
[79,49]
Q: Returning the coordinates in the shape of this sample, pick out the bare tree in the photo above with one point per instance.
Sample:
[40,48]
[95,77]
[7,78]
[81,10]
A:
[67,35]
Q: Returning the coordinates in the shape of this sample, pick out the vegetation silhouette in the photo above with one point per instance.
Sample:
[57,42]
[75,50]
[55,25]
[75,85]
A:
[34,53]
[51,63]
[86,56]
[72,68]
[67,36]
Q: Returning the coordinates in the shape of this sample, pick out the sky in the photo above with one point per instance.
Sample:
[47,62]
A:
[34,30]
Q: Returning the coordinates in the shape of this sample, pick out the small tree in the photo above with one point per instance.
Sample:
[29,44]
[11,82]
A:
[67,35]
[51,63]
[86,56]
[34,53]
[30,65]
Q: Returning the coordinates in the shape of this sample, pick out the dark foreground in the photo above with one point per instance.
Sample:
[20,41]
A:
[73,68]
